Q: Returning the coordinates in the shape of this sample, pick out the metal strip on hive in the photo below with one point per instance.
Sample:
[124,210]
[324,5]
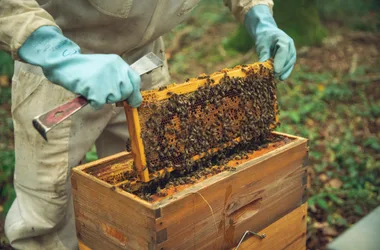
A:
[181,125]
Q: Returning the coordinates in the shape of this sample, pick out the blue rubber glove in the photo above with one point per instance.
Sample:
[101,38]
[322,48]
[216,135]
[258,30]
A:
[101,78]
[270,40]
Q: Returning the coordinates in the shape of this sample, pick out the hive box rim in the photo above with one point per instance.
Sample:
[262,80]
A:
[296,141]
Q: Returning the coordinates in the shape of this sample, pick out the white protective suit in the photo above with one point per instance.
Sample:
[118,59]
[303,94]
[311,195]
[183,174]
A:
[42,216]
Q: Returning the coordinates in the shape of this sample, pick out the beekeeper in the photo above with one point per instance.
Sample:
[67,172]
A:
[64,48]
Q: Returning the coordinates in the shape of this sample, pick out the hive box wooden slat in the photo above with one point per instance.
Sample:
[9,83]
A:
[212,214]
[288,232]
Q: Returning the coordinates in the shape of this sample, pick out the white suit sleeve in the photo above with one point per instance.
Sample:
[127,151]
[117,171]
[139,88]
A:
[18,19]
[240,7]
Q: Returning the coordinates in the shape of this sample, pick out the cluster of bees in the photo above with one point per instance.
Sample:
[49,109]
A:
[160,187]
[193,132]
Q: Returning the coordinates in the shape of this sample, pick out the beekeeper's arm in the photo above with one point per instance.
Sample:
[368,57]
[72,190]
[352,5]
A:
[270,41]
[30,34]
[18,19]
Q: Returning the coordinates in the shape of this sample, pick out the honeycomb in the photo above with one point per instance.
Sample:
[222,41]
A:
[184,127]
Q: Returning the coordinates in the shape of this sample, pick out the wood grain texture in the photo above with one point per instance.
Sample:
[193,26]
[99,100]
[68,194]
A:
[101,165]
[110,167]
[137,146]
[109,218]
[289,232]
[82,246]
[215,213]
[212,214]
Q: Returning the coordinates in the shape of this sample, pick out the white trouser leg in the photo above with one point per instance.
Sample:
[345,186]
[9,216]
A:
[114,136]
[42,215]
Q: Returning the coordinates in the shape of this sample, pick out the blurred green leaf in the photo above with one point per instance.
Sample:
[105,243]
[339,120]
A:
[294,116]
[373,143]
[322,203]
[336,199]
[358,209]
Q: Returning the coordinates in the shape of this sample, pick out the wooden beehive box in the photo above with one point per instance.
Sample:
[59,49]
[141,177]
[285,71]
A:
[212,214]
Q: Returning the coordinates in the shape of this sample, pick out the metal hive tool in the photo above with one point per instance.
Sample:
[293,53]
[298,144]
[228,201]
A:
[182,126]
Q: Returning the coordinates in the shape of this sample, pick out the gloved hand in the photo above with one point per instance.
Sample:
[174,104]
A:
[101,78]
[270,40]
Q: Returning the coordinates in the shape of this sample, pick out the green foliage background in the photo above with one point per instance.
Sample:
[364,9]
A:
[301,20]
[6,65]
[7,193]
[298,18]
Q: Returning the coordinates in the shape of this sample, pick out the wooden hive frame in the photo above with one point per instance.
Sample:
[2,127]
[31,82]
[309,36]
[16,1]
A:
[151,96]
